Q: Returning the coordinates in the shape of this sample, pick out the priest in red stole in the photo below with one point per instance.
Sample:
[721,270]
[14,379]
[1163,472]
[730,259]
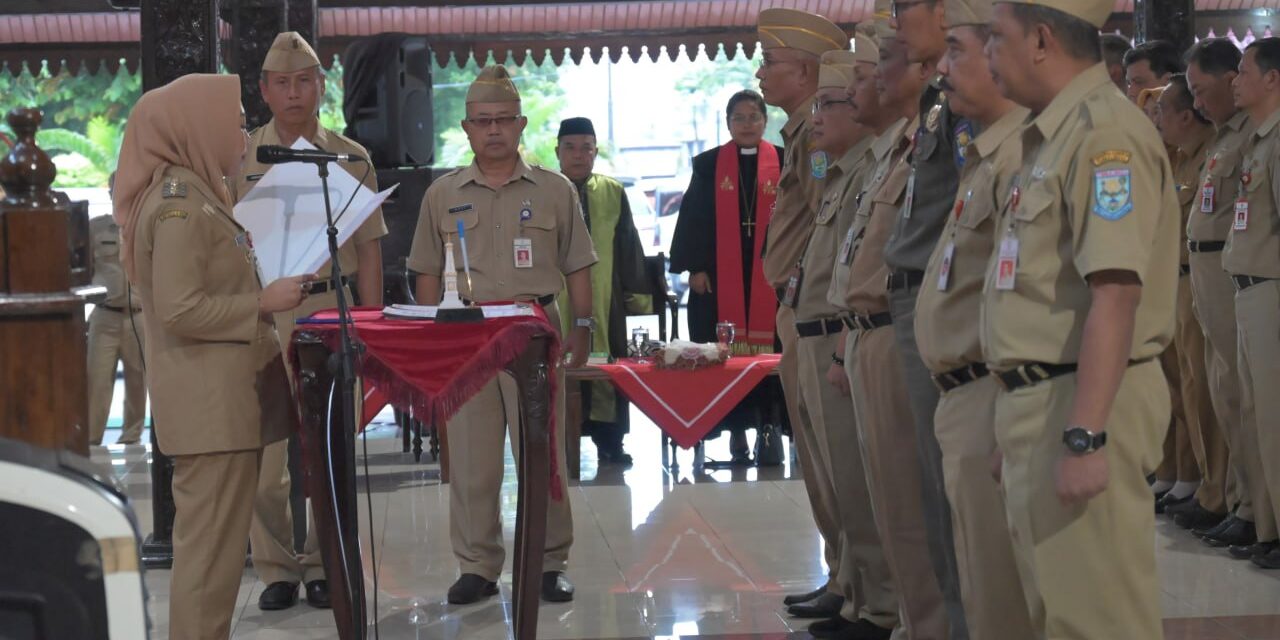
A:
[719,239]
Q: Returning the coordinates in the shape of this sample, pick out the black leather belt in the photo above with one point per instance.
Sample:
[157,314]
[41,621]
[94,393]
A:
[899,280]
[1036,372]
[542,300]
[830,326]
[1205,247]
[959,377]
[323,286]
[1185,269]
[867,323]
[1244,282]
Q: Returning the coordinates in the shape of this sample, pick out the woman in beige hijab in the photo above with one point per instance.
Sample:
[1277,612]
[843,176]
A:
[213,361]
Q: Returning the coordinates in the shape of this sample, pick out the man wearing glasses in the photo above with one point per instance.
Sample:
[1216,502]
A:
[793,43]
[526,240]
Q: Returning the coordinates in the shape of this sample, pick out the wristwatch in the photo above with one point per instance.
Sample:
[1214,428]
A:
[1081,441]
[588,323]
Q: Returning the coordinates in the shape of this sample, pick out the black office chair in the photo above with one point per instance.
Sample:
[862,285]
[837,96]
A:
[664,301]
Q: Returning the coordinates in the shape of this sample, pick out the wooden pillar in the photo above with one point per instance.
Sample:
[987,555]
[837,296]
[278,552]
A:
[1170,20]
[43,379]
[178,37]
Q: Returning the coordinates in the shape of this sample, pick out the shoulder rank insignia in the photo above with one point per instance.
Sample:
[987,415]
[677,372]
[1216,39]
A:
[1112,156]
[173,189]
[173,214]
[931,123]
[1112,193]
[964,137]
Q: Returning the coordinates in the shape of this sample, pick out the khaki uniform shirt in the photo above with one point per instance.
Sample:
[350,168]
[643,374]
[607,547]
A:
[868,293]
[948,307]
[1096,189]
[1188,165]
[214,369]
[1255,249]
[854,191]
[372,229]
[820,251]
[494,219]
[800,188]
[107,272]
[1211,216]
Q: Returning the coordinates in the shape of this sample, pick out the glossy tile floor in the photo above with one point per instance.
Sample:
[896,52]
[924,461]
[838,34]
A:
[657,554]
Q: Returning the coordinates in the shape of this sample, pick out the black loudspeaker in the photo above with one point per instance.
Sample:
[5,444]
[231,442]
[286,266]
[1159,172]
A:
[387,99]
[401,214]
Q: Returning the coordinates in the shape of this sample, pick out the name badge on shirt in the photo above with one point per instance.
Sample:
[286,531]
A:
[1242,215]
[944,273]
[1007,263]
[794,281]
[1207,200]
[911,195]
[523,250]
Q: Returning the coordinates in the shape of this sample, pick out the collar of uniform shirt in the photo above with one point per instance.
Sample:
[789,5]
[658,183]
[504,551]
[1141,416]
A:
[988,141]
[887,142]
[853,156]
[1239,120]
[271,135]
[797,121]
[1270,123]
[1197,147]
[1066,101]
[523,172]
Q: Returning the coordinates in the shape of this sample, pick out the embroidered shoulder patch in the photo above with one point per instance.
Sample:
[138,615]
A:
[173,189]
[173,214]
[1112,193]
[964,137]
[1112,156]
[818,164]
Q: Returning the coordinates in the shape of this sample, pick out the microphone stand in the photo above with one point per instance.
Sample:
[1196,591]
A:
[342,365]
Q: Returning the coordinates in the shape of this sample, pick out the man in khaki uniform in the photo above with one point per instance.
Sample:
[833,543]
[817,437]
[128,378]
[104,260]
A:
[526,240]
[870,608]
[946,323]
[886,103]
[292,84]
[1077,305]
[1212,68]
[115,335]
[1252,257]
[793,43]
[1190,132]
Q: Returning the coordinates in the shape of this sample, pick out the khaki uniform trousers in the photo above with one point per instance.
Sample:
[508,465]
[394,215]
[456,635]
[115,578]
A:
[1098,556]
[1178,462]
[1258,316]
[863,573]
[822,501]
[213,495]
[1214,303]
[886,430]
[476,435]
[271,535]
[994,602]
[112,340]
[1206,439]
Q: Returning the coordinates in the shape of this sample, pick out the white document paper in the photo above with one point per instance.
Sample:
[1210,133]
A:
[284,214]
[418,312]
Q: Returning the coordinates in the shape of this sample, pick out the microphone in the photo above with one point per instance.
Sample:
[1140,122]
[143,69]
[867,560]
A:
[275,154]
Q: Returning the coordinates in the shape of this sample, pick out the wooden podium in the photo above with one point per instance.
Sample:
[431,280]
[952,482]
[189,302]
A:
[42,326]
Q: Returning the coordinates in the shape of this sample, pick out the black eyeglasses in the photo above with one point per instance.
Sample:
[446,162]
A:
[501,121]
[897,8]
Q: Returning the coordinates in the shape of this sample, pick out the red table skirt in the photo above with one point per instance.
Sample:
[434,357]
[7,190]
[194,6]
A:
[431,369]
[687,405]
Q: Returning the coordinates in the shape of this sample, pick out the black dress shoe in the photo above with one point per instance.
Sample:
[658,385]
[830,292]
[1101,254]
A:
[471,588]
[278,596]
[829,628]
[1169,500]
[1248,551]
[1240,533]
[318,594]
[1202,532]
[797,598]
[556,587]
[1268,560]
[1182,507]
[1197,517]
[864,629]
[826,605]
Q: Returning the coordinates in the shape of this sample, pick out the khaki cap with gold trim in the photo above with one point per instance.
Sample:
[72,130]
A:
[1095,12]
[836,71]
[290,52]
[792,29]
[961,13]
[493,85]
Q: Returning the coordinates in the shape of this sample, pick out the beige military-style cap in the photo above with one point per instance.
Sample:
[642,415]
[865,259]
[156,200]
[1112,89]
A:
[493,85]
[1095,12]
[865,48]
[836,71]
[961,13]
[792,29]
[290,52]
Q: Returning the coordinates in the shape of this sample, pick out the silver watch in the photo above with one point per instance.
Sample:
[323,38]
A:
[589,323]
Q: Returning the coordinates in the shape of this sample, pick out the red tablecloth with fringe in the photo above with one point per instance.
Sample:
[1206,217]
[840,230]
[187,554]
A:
[431,369]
